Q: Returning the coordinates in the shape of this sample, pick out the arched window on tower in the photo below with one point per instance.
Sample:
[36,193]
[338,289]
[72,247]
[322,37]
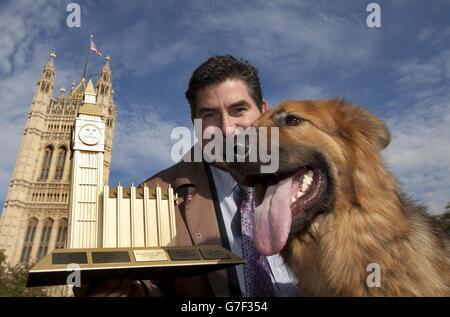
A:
[60,163]
[48,153]
[61,237]
[45,238]
[29,239]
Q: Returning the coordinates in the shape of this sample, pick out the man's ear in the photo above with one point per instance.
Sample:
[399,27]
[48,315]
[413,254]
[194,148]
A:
[263,106]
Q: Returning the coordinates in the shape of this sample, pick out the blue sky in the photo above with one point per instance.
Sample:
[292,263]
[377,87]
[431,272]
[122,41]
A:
[302,49]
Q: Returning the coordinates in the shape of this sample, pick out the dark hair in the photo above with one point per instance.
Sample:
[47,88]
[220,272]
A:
[218,69]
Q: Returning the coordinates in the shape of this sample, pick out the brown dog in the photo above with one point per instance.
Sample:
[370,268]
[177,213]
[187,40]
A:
[336,214]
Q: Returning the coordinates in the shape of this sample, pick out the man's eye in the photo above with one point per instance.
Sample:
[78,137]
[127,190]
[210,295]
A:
[292,120]
[239,110]
[207,115]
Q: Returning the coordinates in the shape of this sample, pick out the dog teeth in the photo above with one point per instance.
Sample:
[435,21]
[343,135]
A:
[304,187]
[307,180]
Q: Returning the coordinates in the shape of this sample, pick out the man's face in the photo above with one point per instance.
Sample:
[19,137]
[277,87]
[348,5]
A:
[227,106]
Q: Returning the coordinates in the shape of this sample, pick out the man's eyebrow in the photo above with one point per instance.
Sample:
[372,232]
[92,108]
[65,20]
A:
[205,109]
[239,103]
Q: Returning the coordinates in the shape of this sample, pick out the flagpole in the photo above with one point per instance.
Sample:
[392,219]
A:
[87,58]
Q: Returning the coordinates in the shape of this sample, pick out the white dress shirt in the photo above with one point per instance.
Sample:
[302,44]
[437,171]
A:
[283,281]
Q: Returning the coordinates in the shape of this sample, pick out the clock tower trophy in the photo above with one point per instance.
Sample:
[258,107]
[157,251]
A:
[118,231]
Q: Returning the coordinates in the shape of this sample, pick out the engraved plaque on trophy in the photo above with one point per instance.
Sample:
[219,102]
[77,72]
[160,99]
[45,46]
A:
[214,253]
[110,257]
[150,255]
[183,254]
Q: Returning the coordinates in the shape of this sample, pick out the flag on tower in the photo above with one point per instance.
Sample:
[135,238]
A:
[92,47]
[95,49]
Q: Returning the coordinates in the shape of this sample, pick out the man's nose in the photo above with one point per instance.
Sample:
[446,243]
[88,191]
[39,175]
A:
[228,127]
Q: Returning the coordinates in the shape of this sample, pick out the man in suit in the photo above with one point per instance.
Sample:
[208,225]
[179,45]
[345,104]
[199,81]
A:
[224,92]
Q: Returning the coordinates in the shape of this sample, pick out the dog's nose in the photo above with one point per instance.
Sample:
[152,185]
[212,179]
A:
[237,149]
[241,149]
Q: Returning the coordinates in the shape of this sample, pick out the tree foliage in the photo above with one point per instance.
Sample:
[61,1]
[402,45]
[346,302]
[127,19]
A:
[13,280]
[443,220]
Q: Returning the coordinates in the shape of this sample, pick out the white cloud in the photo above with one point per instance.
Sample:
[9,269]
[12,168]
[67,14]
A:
[299,91]
[146,50]
[435,35]
[414,73]
[21,24]
[426,33]
[419,154]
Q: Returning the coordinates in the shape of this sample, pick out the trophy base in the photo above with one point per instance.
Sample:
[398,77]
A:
[132,262]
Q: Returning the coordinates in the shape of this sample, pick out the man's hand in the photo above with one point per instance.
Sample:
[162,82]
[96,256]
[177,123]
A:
[117,287]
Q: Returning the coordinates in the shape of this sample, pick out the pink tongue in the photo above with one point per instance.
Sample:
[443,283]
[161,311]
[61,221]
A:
[272,221]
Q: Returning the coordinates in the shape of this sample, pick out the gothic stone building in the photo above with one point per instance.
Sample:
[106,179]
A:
[34,219]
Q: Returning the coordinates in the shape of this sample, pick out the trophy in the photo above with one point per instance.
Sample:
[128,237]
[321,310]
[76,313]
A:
[119,232]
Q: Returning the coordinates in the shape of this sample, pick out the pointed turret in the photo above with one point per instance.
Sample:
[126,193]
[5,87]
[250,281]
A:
[77,91]
[46,81]
[62,91]
[106,68]
[72,87]
[90,104]
[89,93]
[104,83]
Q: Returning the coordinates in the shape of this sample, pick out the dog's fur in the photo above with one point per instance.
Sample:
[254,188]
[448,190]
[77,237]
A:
[363,218]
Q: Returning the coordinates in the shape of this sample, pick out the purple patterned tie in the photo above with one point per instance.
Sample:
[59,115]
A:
[256,271]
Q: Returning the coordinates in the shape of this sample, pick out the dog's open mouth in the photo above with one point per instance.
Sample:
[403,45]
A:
[286,199]
[307,186]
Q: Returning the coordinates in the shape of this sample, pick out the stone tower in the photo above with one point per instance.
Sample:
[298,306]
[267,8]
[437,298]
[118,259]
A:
[34,219]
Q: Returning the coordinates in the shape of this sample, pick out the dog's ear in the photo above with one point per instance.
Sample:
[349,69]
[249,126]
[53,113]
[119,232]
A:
[363,123]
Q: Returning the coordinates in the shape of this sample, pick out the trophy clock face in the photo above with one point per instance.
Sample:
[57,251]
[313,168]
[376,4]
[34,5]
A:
[89,134]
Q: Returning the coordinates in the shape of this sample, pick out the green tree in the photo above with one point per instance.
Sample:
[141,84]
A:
[443,220]
[14,279]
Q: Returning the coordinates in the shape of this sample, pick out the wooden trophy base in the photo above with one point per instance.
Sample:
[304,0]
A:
[133,262]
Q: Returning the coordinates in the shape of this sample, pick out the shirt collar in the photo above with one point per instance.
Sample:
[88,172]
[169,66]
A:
[223,179]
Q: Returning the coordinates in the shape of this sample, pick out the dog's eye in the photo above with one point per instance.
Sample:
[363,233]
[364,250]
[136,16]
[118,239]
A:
[291,120]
